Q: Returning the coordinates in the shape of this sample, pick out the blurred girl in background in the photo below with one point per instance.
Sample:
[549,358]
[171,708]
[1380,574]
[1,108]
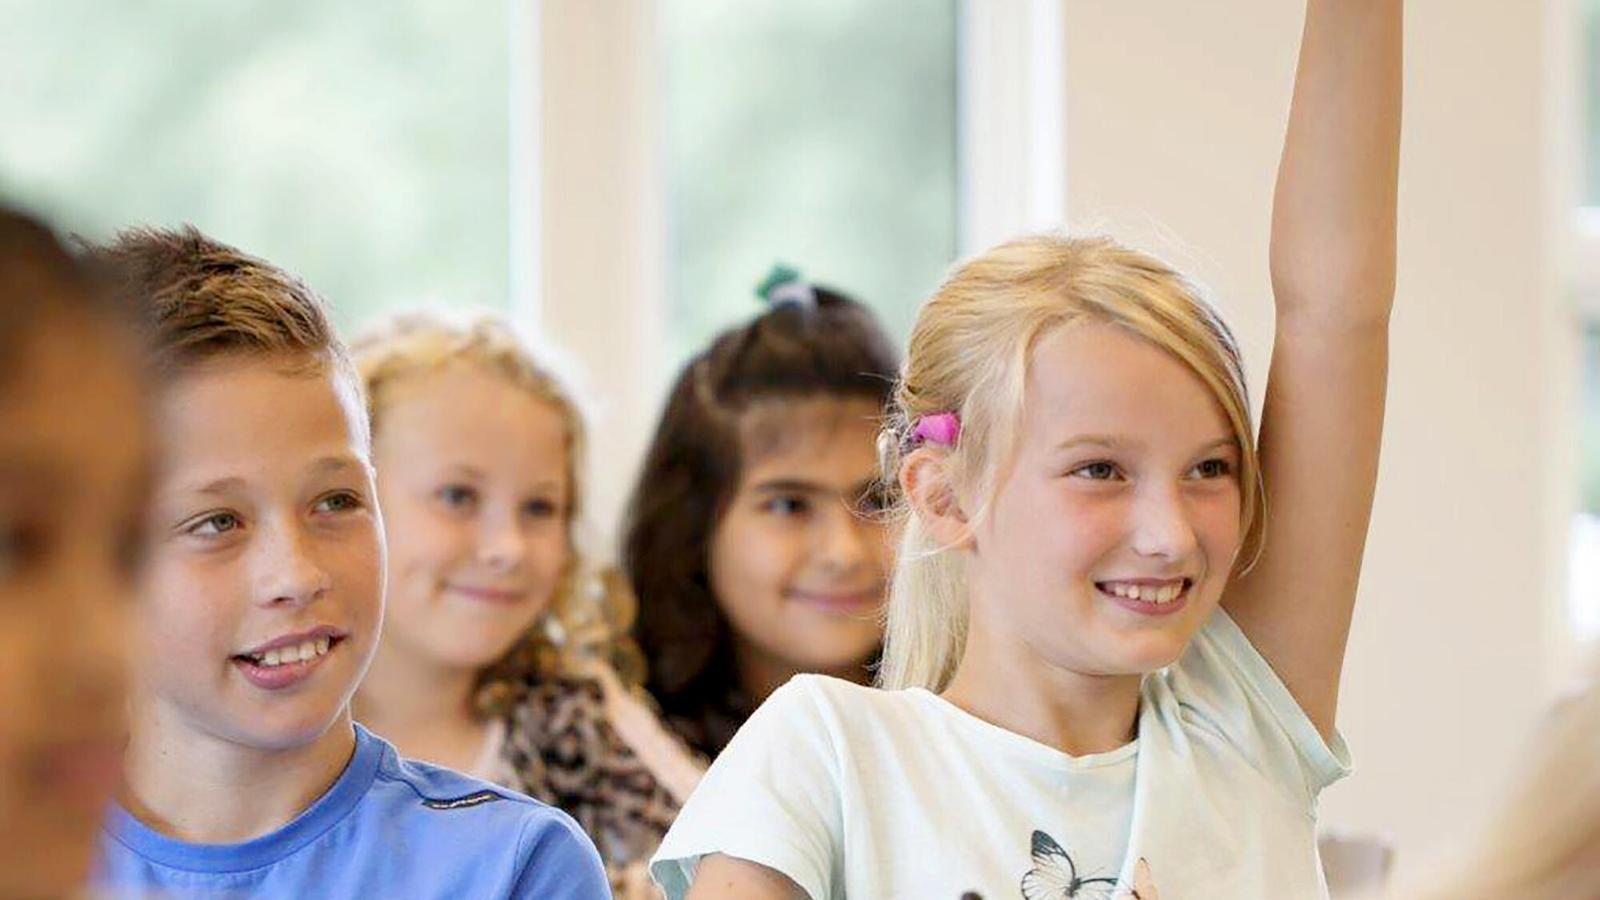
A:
[752,539]
[503,654]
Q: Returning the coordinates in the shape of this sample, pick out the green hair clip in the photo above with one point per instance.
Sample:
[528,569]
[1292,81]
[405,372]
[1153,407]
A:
[783,285]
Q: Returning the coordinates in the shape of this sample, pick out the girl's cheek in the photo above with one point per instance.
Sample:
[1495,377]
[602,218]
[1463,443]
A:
[769,549]
[1219,522]
[549,555]
[438,541]
[1088,519]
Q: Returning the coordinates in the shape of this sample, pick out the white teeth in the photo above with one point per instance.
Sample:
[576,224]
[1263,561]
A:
[1147,593]
[301,652]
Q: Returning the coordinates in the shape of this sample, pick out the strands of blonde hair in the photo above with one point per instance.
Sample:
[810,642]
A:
[589,616]
[969,353]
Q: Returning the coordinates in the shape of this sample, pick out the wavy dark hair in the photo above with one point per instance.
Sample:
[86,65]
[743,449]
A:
[823,344]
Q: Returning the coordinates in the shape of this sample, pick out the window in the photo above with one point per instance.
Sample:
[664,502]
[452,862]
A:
[822,135]
[1584,572]
[365,152]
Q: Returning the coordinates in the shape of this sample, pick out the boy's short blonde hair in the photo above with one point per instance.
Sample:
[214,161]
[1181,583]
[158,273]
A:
[591,611]
[200,300]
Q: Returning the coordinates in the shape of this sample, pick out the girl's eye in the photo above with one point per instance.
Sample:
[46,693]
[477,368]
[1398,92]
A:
[786,505]
[339,502]
[458,496]
[214,524]
[872,501]
[542,508]
[1095,471]
[1214,468]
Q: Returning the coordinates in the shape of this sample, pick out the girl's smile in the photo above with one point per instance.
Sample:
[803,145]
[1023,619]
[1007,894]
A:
[1148,596]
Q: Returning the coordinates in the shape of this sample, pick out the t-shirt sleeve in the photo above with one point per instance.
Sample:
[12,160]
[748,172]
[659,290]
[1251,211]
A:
[771,797]
[559,862]
[1225,683]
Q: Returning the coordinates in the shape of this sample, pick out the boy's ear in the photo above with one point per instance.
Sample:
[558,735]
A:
[927,485]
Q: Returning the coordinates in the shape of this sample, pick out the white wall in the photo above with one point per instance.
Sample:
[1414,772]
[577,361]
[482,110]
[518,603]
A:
[1175,118]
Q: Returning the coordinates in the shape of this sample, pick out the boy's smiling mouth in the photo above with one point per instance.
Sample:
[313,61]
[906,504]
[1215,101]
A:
[285,661]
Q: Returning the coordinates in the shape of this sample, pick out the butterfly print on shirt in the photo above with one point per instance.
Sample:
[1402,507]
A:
[1055,876]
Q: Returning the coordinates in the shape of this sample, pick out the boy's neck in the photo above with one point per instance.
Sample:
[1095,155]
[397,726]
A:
[1075,713]
[424,710]
[203,789]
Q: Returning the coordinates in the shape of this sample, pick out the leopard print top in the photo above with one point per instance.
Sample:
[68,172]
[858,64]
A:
[561,747]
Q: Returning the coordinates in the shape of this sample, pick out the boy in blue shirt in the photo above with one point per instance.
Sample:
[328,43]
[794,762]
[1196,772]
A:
[263,597]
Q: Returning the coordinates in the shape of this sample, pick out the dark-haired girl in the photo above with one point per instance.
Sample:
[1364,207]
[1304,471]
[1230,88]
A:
[751,538]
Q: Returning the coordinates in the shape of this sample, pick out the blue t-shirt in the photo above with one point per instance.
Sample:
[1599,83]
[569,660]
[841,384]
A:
[388,827]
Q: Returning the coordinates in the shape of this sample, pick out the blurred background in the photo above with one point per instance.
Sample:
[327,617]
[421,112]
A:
[617,175]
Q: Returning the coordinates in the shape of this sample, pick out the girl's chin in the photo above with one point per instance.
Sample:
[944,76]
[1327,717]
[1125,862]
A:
[1117,652]
[838,664]
[1144,657]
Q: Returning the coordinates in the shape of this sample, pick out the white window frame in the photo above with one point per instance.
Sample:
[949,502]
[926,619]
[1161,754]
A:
[1012,179]
[1586,261]
[1012,119]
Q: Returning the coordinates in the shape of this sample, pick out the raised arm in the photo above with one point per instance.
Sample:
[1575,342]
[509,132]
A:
[1333,270]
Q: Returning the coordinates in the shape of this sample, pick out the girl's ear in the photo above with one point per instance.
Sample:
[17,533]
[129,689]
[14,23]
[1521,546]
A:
[925,479]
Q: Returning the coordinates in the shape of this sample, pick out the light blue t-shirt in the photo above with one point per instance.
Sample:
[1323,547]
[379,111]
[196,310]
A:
[389,827]
[863,794]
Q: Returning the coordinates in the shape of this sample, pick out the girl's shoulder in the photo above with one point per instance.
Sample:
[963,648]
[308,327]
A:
[809,693]
[1223,686]
[586,744]
[586,726]
[847,712]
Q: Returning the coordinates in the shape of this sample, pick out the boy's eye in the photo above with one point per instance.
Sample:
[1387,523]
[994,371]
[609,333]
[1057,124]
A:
[1214,468]
[1095,471]
[339,502]
[214,524]
[787,505]
[458,496]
